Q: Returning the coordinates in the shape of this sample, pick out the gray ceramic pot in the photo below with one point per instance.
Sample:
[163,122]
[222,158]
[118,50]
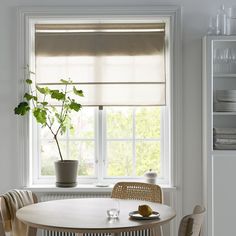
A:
[66,173]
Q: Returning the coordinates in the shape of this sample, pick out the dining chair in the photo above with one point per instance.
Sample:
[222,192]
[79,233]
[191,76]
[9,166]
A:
[190,225]
[10,202]
[139,191]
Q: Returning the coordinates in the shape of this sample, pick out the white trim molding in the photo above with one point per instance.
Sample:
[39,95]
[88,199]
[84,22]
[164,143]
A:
[27,15]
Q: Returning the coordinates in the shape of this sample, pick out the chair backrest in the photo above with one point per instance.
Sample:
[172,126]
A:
[5,217]
[137,191]
[190,225]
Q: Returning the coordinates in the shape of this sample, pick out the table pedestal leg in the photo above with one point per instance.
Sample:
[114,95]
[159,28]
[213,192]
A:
[31,231]
[156,231]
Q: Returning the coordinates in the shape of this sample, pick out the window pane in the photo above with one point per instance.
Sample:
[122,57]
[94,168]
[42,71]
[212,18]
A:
[119,158]
[49,154]
[148,122]
[83,122]
[83,151]
[147,157]
[119,122]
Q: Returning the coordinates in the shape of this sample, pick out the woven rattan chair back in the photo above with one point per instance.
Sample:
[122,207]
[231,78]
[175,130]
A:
[137,191]
[190,225]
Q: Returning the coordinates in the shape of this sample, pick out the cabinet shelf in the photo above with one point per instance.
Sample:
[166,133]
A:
[221,113]
[224,152]
[224,75]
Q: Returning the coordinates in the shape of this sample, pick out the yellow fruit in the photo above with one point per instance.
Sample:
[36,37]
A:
[145,210]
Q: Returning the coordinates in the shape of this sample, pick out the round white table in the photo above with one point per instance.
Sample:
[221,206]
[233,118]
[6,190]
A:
[89,215]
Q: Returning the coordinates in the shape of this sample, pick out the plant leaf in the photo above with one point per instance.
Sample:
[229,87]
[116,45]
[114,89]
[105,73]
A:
[78,92]
[63,129]
[58,117]
[22,108]
[41,90]
[41,115]
[44,103]
[65,81]
[28,97]
[72,129]
[75,106]
[56,94]
[28,81]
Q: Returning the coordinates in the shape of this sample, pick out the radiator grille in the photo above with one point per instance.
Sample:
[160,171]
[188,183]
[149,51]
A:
[57,196]
[137,233]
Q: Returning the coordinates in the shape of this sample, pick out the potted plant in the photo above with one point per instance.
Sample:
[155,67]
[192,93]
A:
[51,108]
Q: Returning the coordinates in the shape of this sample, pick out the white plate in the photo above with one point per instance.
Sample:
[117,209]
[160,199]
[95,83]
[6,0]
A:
[135,215]
[102,185]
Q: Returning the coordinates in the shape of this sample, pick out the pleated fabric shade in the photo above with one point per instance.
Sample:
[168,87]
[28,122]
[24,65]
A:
[114,64]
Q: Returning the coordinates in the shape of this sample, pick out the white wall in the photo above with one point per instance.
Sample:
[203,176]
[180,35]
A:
[195,20]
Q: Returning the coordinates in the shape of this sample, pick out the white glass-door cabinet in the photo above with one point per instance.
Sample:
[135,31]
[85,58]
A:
[219,134]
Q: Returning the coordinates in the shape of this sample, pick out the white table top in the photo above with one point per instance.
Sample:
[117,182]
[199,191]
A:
[86,215]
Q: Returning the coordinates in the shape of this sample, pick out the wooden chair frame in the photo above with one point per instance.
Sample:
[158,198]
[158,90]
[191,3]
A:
[190,225]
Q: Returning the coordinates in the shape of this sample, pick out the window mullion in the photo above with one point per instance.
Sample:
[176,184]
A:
[67,145]
[134,142]
[100,151]
[36,151]
[104,144]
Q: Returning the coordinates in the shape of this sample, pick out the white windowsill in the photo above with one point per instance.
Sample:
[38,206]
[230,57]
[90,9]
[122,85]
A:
[82,188]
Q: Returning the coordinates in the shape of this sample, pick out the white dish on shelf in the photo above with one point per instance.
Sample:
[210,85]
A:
[224,75]
[226,95]
[225,106]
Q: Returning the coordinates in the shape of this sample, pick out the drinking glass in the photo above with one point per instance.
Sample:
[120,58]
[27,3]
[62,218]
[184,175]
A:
[233,66]
[217,59]
[114,209]
[227,60]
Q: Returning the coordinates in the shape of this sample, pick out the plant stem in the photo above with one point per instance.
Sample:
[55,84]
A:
[55,137]
[62,119]
[59,149]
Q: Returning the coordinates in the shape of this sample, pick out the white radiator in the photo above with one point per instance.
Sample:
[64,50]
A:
[56,196]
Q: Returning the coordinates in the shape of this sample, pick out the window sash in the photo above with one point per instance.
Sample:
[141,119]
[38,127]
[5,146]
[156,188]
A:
[100,153]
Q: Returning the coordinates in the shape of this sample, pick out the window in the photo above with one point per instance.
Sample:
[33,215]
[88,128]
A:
[122,130]
[119,134]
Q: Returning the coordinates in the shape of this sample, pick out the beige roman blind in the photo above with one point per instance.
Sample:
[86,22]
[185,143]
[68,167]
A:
[114,64]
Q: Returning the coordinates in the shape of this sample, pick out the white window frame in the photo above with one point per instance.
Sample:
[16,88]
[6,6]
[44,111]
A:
[164,150]
[100,152]
[27,16]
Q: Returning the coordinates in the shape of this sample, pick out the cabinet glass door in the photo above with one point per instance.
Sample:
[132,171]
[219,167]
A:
[224,94]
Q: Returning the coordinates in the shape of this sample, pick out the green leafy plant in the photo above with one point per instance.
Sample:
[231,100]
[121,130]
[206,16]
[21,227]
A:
[50,107]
